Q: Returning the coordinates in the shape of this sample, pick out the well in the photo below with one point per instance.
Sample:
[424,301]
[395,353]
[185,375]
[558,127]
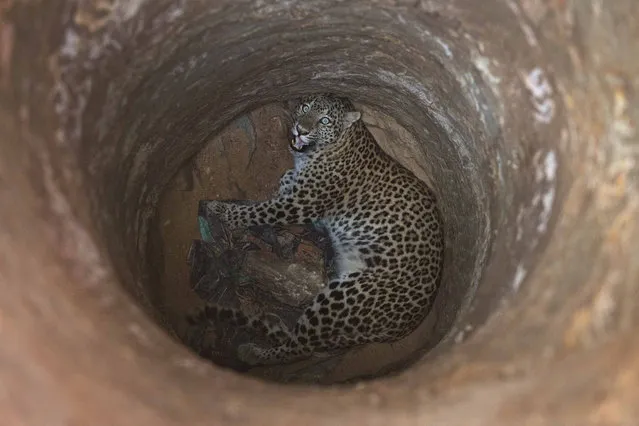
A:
[524,119]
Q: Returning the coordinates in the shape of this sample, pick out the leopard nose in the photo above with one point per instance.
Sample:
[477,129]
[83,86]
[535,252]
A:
[301,131]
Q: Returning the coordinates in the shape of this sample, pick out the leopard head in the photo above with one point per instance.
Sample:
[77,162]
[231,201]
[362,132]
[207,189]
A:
[320,120]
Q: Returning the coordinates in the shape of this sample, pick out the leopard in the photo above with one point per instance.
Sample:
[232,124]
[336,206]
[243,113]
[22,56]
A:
[385,230]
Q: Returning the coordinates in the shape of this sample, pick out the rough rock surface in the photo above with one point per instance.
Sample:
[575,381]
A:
[524,114]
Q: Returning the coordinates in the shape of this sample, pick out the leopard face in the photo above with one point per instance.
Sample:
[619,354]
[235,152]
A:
[319,121]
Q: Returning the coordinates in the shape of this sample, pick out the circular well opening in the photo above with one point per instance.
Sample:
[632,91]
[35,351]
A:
[465,109]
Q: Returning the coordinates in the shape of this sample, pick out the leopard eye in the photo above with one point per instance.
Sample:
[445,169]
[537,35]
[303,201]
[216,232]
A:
[325,120]
[305,108]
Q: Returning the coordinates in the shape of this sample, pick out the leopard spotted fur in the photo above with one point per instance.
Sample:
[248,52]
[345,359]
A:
[383,223]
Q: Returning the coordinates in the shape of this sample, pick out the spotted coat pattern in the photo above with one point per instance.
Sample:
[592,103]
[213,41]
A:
[383,223]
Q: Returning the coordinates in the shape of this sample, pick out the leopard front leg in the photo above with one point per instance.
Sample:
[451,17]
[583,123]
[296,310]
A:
[281,210]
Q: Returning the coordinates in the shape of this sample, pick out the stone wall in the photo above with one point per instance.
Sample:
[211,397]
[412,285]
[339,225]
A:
[524,118]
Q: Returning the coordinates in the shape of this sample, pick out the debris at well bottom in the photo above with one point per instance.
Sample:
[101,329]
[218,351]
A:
[272,270]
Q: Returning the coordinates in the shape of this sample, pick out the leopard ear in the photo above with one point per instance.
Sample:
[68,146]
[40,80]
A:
[350,118]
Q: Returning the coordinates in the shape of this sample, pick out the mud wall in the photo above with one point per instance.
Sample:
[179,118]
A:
[525,118]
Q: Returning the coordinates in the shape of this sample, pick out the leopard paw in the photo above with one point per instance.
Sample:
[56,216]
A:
[213,207]
[214,211]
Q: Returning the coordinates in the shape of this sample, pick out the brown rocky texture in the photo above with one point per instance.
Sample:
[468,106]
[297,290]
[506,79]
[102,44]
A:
[525,118]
